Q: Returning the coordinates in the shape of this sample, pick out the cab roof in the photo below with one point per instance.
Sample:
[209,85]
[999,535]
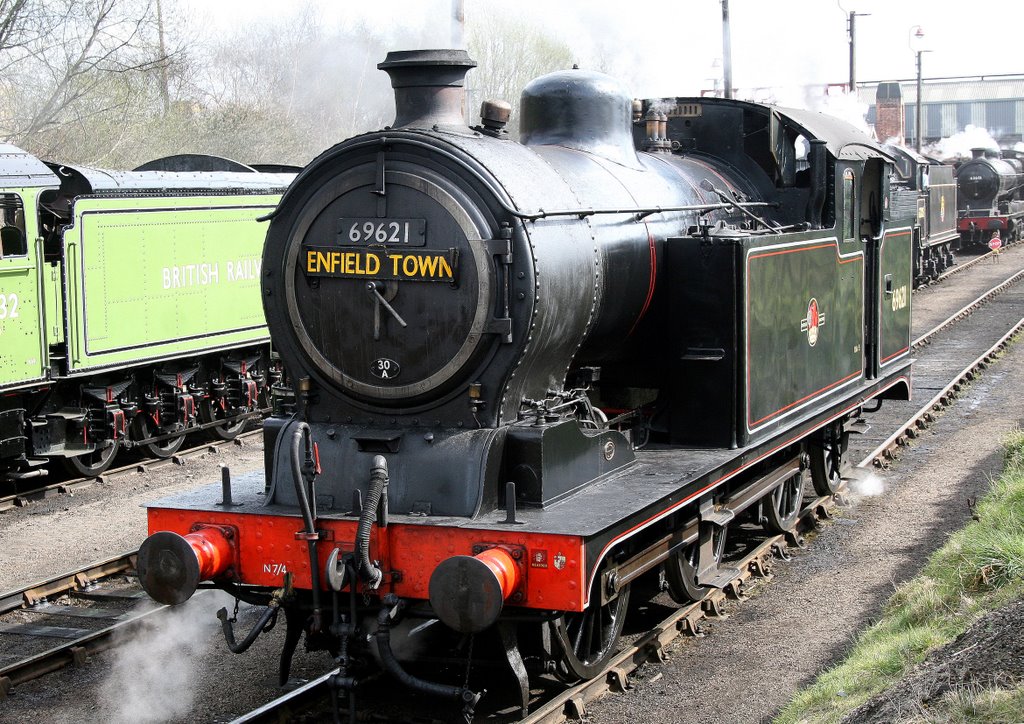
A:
[20,169]
[843,140]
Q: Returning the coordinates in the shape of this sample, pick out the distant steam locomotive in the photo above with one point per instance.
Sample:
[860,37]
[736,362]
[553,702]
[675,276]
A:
[991,196]
[529,374]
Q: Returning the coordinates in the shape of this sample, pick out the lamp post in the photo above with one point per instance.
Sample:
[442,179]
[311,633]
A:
[726,50]
[852,27]
[916,36]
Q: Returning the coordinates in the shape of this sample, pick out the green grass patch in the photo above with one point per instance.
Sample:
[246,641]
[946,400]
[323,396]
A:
[973,705]
[979,569]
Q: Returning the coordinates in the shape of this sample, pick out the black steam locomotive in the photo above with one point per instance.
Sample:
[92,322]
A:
[531,373]
[926,188]
[991,198]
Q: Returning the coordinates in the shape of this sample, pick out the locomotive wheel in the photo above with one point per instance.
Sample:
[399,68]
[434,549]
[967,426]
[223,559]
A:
[781,507]
[587,641]
[144,428]
[828,455]
[209,411]
[92,464]
[681,569]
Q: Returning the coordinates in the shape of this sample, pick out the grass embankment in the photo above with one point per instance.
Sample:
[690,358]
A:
[979,569]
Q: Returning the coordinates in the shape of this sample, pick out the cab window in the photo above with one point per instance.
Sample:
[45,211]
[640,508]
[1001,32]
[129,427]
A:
[849,208]
[13,239]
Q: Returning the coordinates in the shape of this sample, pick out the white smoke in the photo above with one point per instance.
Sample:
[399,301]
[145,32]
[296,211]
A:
[959,145]
[831,101]
[846,106]
[865,483]
[154,672]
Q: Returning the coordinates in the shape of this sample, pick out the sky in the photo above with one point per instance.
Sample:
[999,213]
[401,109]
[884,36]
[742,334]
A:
[674,48]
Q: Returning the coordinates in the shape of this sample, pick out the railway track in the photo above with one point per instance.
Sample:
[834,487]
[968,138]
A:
[61,620]
[965,265]
[946,364]
[63,487]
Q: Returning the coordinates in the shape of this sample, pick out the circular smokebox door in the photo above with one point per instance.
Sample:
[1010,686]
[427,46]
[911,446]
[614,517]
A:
[389,305]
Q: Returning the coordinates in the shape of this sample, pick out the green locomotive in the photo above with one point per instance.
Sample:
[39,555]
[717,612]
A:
[130,307]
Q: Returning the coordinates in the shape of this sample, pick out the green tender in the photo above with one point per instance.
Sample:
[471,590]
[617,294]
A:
[154,278]
[23,357]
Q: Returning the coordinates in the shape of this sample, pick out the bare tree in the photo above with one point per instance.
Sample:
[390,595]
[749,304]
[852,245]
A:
[72,64]
[114,83]
[296,84]
[511,51]
[22,24]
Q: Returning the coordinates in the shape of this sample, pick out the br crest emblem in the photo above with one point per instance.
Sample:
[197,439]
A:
[814,321]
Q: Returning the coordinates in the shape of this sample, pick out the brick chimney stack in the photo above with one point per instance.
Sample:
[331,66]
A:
[889,112]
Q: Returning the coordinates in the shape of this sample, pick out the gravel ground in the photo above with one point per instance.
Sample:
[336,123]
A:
[744,671]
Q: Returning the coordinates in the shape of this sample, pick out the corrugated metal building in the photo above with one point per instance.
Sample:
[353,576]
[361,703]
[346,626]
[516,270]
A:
[950,105]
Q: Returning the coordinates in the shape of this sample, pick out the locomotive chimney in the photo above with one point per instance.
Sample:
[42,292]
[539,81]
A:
[977,152]
[429,86]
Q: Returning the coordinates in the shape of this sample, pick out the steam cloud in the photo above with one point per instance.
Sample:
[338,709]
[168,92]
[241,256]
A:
[153,675]
[830,101]
[960,144]
[865,483]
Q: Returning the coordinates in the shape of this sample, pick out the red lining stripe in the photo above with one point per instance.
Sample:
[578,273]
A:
[857,257]
[651,283]
[804,399]
[834,244]
[894,354]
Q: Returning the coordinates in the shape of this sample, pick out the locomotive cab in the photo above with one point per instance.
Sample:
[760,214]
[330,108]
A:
[726,390]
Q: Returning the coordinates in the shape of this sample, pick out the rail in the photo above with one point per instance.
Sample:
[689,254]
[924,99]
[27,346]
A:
[22,498]
[76,644]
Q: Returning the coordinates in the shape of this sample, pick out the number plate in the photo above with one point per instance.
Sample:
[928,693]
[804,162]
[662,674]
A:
[385,368]
[382,232]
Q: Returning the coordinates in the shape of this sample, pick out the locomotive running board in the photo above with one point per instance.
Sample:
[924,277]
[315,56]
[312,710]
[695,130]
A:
[660,551]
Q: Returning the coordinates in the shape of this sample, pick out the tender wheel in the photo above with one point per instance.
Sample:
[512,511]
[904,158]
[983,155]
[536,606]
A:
[210,411]
[92,464]
[781,507]
[681,568]
[587,641]
[828,456]
[145,427]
